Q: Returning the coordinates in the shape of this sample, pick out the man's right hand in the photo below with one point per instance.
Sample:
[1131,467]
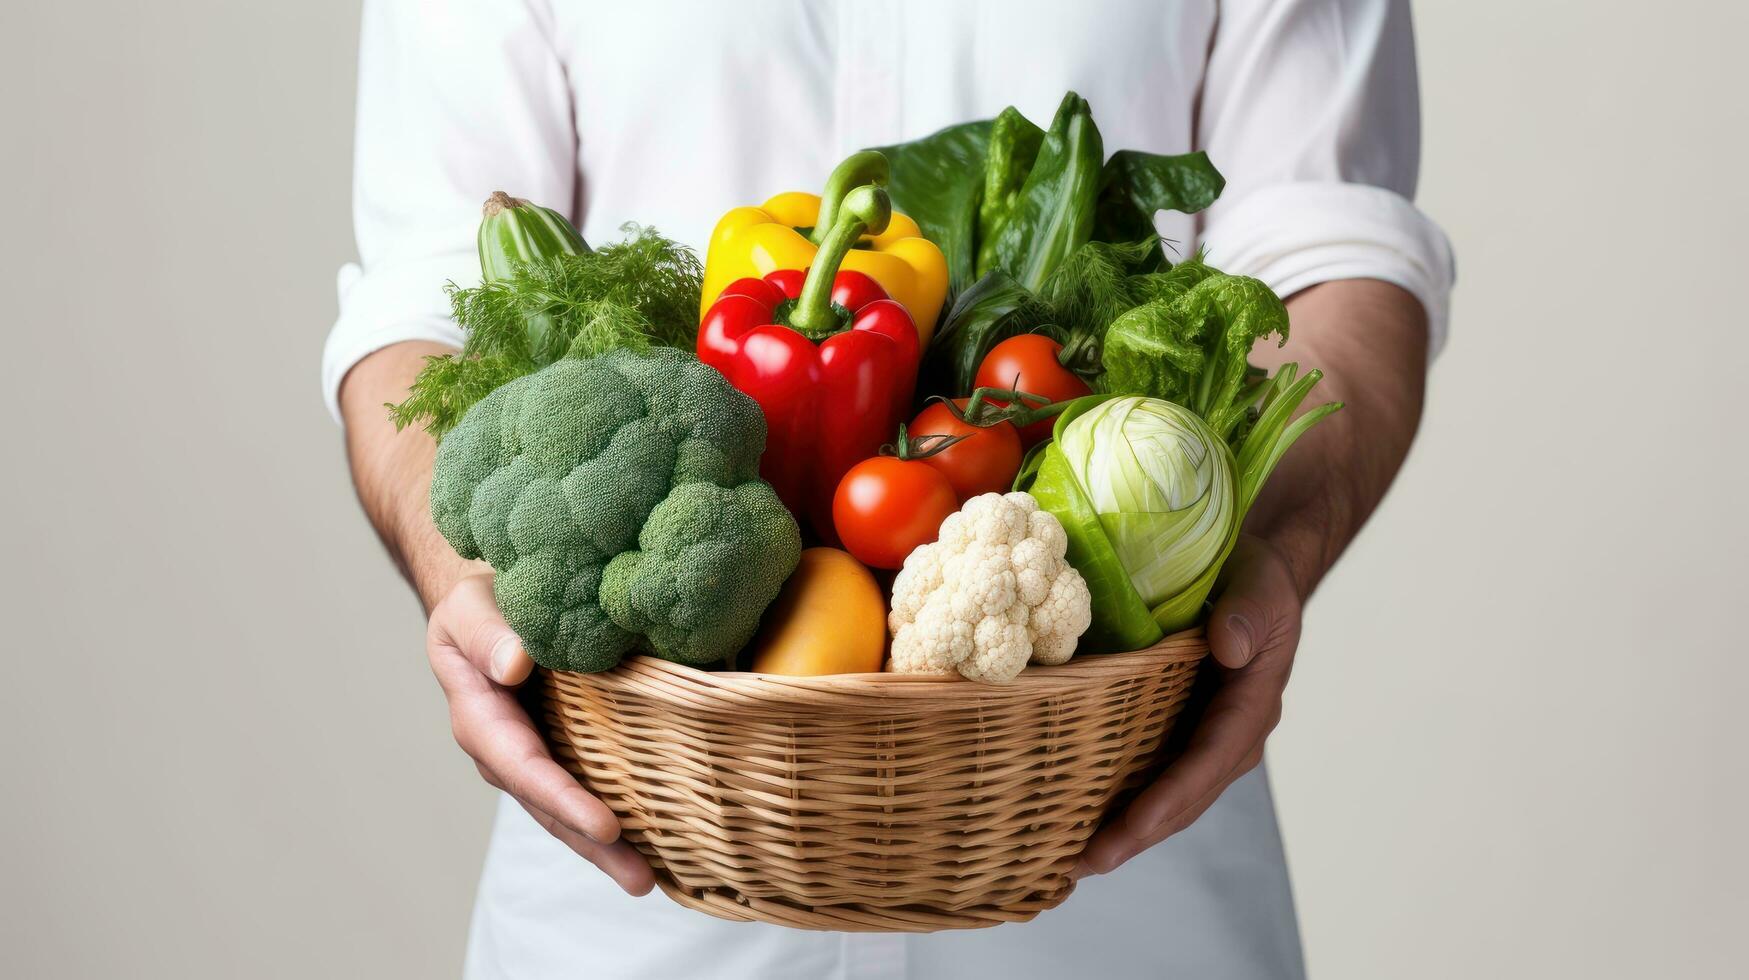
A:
[476,656]
[478,660]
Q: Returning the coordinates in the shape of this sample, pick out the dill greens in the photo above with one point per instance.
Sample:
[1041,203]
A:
[635,294]
[1095,283]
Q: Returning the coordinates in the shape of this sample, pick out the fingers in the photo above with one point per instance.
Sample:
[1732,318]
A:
[492,727]
[1225,746]
[618,860]
[1188,815]
[474,655]
[1227,743]
[1253,631]
[468,621]
[1258,606]
[1115,844]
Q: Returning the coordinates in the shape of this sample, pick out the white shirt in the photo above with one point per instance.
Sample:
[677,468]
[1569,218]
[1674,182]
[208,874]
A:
[669,113]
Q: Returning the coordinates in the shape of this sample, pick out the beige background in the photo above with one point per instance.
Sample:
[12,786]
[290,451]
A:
[1510,748]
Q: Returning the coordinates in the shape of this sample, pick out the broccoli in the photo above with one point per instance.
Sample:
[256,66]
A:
[618,499]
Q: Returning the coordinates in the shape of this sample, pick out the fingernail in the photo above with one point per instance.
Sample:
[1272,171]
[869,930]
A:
[508,661]
[1081,870]
[1240,627]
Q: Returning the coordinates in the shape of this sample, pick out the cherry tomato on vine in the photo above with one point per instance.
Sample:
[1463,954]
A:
[886,507]
[985,461]
[1029,363]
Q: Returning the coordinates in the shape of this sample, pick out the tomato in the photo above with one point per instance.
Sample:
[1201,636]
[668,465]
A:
[886,507]
[985,461]
[1029,363]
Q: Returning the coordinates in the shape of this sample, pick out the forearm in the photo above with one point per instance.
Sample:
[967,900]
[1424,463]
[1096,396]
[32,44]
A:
[392,470]
[1370,340]
[476,658]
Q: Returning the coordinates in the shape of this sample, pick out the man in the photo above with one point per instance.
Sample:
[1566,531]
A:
[670,113]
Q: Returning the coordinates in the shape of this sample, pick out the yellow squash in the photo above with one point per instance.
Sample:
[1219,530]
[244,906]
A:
[830,618]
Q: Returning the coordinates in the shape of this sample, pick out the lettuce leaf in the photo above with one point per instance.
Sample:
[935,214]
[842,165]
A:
[1190,344]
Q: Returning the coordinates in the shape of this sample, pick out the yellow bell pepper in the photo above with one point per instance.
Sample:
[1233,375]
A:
[830,618]
[752,242]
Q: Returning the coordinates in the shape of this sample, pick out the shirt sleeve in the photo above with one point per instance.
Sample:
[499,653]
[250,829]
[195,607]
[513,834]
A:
[456,100]
[1311,110]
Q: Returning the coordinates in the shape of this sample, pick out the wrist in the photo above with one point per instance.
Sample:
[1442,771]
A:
[428,562]
[1308,539]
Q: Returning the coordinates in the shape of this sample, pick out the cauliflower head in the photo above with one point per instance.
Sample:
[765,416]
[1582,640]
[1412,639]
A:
[992,594]
[617,497]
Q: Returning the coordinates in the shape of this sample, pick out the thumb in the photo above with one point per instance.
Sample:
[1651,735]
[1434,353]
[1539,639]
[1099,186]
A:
[1257,607]
[467,620]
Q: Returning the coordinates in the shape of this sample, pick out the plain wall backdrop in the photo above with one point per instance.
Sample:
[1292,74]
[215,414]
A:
[1512,746]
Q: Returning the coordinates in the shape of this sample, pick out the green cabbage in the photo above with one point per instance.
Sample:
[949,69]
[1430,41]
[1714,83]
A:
[1163,485]
[1152,497]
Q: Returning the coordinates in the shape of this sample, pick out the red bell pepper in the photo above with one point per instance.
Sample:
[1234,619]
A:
[827,355]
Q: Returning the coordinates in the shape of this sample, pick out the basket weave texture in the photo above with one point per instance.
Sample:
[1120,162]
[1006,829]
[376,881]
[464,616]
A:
[867,802]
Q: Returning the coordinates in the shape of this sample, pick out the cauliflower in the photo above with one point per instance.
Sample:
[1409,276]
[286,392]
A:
[991,595]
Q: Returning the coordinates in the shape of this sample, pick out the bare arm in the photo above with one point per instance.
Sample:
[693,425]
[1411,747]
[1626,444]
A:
[473,653]
[392,470]
[1370,339]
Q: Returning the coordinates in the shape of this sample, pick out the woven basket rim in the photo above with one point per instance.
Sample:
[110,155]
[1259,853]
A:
[1184,646]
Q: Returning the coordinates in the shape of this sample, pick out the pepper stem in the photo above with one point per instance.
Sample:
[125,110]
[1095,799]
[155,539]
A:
[865,167]
[865,209]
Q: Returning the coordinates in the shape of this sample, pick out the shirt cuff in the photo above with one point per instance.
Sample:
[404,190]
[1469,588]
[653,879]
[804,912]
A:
[1296,235]
[389,305]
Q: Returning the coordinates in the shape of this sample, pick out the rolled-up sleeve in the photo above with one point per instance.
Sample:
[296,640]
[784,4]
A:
[455,100]
[1311,110]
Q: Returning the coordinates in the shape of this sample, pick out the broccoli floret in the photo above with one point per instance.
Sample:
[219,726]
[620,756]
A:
[618,499]
[734,547]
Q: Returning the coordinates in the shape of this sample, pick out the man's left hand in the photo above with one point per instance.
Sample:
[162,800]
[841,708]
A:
[1252,633]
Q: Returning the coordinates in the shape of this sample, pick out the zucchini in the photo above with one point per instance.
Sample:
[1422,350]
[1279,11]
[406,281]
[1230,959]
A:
[513,231]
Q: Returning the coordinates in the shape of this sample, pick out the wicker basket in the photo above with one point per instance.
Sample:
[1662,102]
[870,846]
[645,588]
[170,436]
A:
[867,802]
